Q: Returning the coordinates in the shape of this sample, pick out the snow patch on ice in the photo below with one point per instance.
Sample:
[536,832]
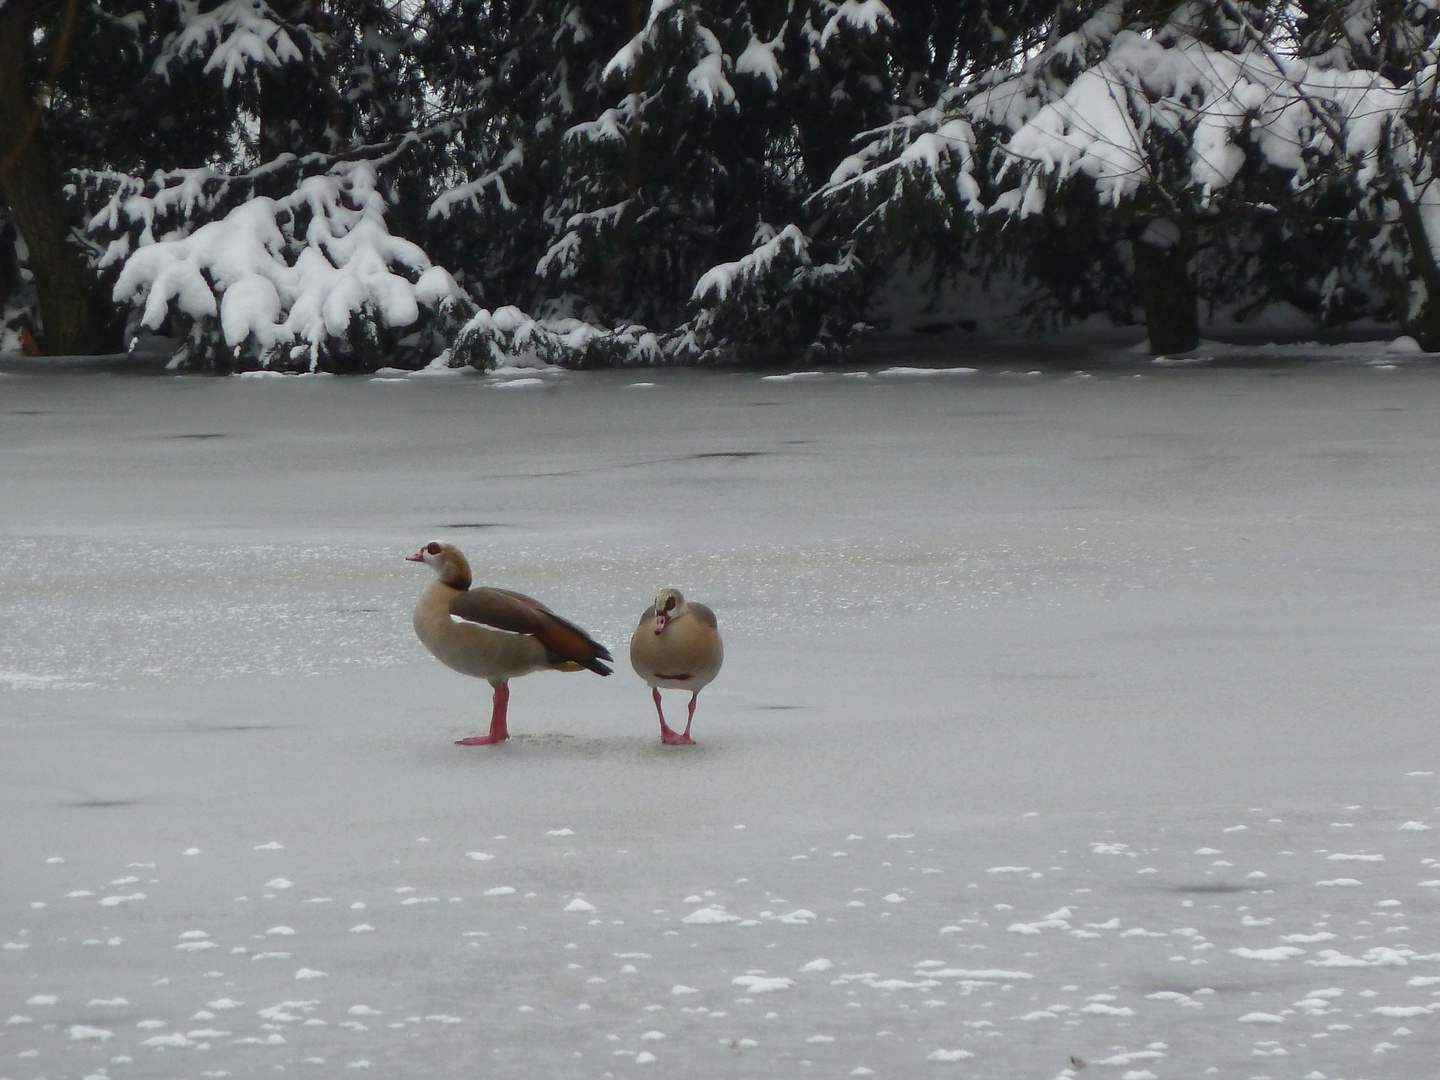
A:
[948,1055]
[762,984]
[925,372]
[710,916]
[83,1032]
[1277,952]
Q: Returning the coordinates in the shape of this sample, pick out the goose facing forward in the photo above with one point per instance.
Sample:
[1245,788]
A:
[495,634]
[676,646]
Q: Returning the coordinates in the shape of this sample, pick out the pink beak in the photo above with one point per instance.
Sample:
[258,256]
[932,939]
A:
[419,556]
[660,620]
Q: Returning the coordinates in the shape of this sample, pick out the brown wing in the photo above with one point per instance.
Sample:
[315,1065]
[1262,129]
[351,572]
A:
[704,614]
[521,614]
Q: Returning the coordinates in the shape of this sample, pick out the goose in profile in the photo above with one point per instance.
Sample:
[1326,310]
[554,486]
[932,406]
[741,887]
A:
[495,634]
[676,647]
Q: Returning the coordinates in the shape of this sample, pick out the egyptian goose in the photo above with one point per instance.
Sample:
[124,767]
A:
[677,646]
[495,634]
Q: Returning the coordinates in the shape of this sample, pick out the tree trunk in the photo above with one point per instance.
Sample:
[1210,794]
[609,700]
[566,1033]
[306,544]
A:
[73,315]
[1423,324]
[1162,280]
[9,265]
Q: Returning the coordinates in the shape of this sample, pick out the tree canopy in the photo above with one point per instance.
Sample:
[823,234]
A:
[344,184]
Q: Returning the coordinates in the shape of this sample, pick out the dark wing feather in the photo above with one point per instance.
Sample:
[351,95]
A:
[704,614]
[521,614]
[499,609]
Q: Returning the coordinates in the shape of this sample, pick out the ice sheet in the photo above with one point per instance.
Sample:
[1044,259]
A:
[1061,717]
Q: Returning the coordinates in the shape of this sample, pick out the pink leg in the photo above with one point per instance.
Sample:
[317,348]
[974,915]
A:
[667,736]
[498,731]
[690,717]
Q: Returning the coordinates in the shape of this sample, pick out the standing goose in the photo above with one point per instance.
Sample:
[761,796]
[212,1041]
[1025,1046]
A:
[677,646]
[494,634]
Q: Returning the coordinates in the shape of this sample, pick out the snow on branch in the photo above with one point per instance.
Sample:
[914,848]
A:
[275,290]
[780,300]
[629,54]
[563,256]
[508,336]
[721,280]
[1089,130]
[471,192]
[1218,102]
[930,148]
[245,33]
[706,78]
[866,16]
[178,195]
[1172,110]
[758,59]
[610,126]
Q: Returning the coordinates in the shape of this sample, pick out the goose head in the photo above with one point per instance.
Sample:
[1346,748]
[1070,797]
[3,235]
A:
[669,604]
[446,560]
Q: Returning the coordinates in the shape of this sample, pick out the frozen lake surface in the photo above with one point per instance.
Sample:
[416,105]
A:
[1066,724]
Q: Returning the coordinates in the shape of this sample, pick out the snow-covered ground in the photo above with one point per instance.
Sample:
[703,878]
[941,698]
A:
[1069,727]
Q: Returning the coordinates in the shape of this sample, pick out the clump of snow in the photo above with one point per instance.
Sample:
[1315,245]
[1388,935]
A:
[762,984]
[759,59]
[710,916]
[924,372]
[269,288]
[234,36]
[948,1055]
[82,1032]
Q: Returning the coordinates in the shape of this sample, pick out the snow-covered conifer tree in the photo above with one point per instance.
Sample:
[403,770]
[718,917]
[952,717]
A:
[279,253]
[652,142]
[343,184]
[851,70]
[1206,132]
[1358,78]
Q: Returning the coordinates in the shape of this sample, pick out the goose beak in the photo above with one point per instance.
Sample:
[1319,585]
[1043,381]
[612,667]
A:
[419,556]
[660,620]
